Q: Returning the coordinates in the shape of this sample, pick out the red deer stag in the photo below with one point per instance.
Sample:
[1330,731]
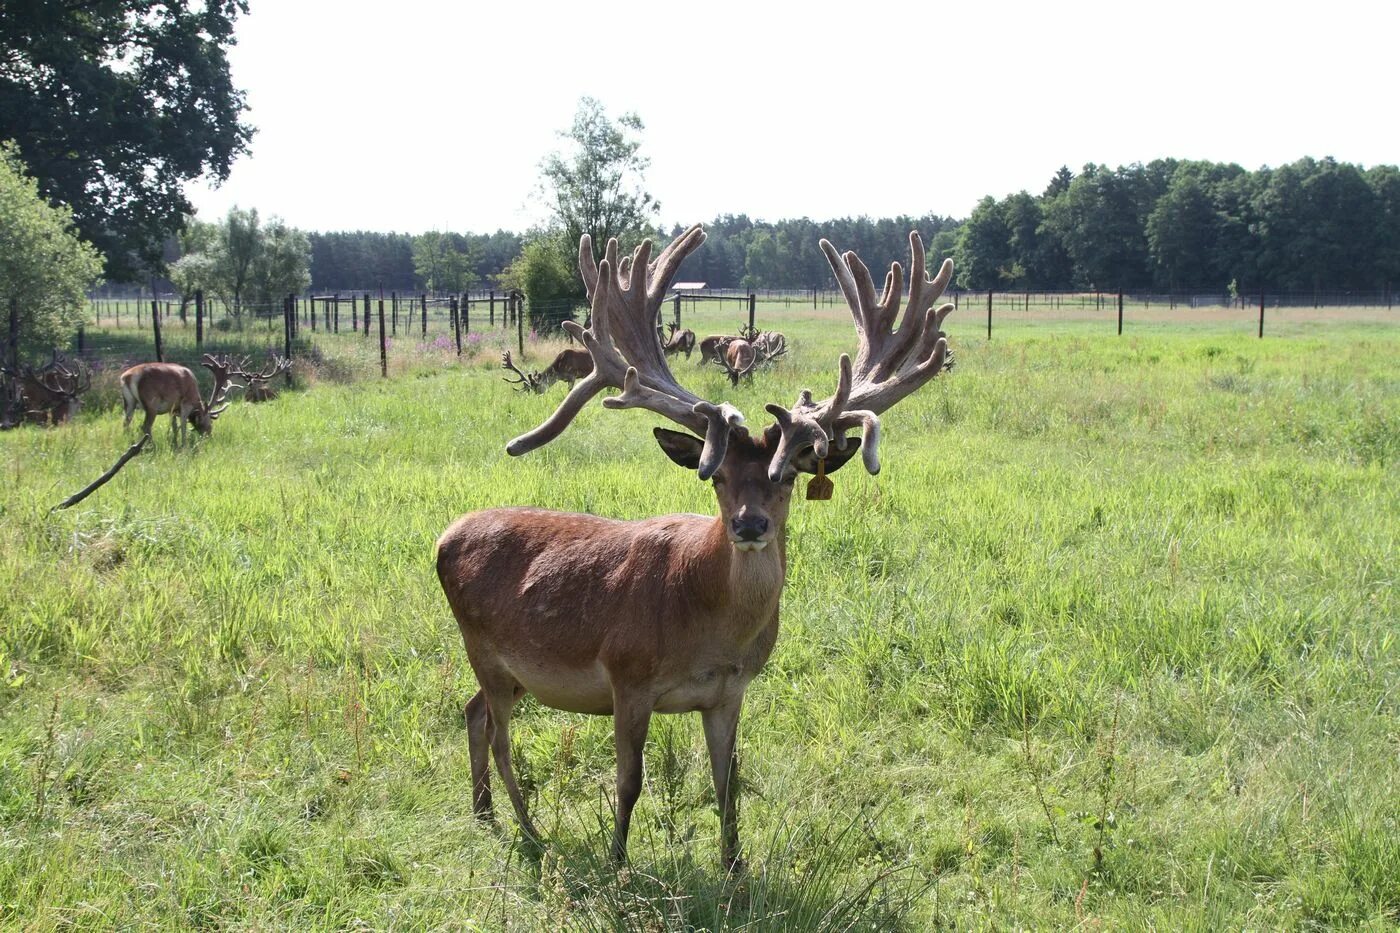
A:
[678,613]
[739,360]
[260,388]
[51,393]
[568,366]
[678,340]
[712,348]
[167,387]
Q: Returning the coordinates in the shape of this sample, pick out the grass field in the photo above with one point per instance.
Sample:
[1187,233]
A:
[1111,641]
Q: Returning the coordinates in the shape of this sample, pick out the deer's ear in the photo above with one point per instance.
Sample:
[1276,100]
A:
[806,462]
[683,449]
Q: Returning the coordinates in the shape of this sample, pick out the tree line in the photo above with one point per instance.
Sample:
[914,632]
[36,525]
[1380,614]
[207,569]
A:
[1311,225]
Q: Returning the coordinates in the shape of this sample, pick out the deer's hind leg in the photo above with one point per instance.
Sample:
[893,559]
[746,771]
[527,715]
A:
[480,732]
[502,691]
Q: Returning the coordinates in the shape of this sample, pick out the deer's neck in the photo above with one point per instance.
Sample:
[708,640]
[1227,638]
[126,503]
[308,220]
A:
[749,583]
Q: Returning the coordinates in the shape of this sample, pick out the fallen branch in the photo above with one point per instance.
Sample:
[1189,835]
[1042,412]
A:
[97,484]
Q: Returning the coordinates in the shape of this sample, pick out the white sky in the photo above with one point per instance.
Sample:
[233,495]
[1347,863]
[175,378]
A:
[424,115]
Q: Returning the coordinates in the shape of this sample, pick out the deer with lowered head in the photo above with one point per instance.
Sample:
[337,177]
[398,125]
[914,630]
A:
[678,613]
[158,388]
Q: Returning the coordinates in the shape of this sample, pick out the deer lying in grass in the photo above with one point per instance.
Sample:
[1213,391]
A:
[260,387]
[673,614]
[52,393]
[158,388]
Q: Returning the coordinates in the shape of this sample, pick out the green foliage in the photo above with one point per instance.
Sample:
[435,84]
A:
[1306,226]
[594,185]
[551,285]
[45,267]
[442,263]
[242,259]
[115,105]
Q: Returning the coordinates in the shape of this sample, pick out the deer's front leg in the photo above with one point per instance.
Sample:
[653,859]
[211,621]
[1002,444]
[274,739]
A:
[721,729]
[631,719]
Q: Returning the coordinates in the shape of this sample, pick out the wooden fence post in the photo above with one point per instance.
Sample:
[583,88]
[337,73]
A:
[155,323]
[464,313]
[367,314]
[425,315]
[199,320]
[1120,312]
[287,333]
[677,306]
[989,314]
[752,301]
[492,319]
[1261,314]
[383,347]
[335,304]
[311,305]
[518,302]
[394,313]
[457,324]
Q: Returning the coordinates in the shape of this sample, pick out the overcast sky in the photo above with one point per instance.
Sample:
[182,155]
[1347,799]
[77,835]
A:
[421,115]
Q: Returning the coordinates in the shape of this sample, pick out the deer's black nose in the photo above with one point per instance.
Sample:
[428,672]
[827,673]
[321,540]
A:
[749,527]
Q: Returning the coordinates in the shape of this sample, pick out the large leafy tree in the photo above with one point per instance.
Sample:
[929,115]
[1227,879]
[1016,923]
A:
[594,185]
[45,269]
[115,104]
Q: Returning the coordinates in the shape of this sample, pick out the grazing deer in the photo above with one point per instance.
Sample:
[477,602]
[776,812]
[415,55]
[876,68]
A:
[568,366]
[51,394]
[673,614]
[739,360]
[712,348]
[167,387]
[678,340]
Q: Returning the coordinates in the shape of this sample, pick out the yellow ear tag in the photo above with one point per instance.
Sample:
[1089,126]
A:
[820,486]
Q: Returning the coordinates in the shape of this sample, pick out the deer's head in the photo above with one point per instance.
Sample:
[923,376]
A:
[752,505]
[223,369]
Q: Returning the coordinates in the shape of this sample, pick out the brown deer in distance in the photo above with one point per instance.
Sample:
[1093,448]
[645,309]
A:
[678,613]
[739,360]
[568,366]
[158,388]
[52,393]
[678,340]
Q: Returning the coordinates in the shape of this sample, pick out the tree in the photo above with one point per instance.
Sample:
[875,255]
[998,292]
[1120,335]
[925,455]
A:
[1180,233]
[240,239]
[45,268]
[441,263]
[595,185]
[282,264]
[983,250]
[551,287]
[115,104]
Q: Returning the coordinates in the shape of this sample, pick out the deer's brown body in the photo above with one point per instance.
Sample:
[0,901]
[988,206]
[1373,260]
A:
[569,366]
[739,359]
[673,614]
[161,388]
[712,348]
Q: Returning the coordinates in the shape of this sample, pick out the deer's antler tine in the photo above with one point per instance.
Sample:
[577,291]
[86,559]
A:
[668,262]
[587,265]
[869,422]
[580,395]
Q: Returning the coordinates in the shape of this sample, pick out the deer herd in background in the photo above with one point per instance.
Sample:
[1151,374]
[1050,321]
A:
[52,394]
[739,355]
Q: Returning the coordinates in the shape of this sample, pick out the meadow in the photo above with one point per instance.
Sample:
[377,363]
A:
[1110,642]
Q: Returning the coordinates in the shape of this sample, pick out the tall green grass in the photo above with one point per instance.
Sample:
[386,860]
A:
[1112,639]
